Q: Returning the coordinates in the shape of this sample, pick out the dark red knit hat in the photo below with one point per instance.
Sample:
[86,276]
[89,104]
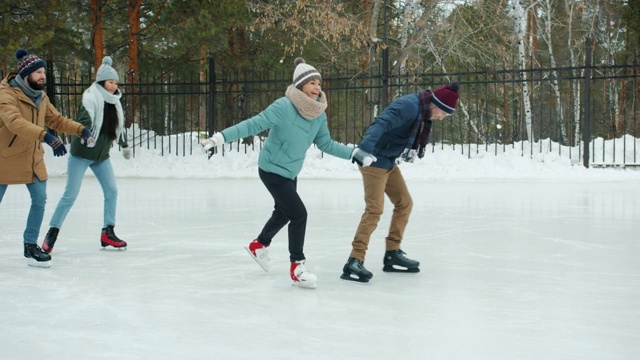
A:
[446,97]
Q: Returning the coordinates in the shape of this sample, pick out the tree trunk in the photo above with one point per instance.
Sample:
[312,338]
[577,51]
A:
[556,86]
[132,73]
[575,84]
[97,36]
[202,76]
[521,22]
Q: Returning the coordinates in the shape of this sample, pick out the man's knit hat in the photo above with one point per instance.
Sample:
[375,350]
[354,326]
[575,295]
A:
[446,97]
[28,63]
[106,72]
[304,73]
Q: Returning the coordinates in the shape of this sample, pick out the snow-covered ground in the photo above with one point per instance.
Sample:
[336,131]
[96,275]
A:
[521,257]
[542,160]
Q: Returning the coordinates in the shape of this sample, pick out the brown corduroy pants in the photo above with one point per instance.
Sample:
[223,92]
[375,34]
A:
[378,182]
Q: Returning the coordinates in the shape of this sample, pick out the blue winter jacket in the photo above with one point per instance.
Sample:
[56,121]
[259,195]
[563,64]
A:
[392,131]
[290,137]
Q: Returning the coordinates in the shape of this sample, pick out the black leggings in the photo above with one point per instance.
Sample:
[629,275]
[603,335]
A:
[288,208]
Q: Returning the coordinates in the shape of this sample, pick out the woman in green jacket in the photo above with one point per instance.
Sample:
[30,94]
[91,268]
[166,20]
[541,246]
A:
[100,111]
[296,121]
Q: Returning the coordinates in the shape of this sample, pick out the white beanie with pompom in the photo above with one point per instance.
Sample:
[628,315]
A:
[106,72]
[303,73]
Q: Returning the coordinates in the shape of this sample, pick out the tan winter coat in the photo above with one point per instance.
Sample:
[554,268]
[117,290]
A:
[22,131]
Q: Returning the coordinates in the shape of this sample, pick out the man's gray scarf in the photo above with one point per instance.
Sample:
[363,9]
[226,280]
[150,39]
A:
[34,95]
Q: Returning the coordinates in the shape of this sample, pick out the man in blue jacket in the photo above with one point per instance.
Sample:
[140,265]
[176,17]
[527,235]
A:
[402,130]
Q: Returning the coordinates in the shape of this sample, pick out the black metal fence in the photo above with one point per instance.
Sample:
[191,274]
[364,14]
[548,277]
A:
[171,111]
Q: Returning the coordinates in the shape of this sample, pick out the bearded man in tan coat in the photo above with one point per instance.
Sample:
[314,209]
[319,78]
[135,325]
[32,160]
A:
[25,110]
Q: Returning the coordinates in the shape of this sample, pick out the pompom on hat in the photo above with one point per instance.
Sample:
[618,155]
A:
[446,97]
[106,72]
[28,63]
[304,73]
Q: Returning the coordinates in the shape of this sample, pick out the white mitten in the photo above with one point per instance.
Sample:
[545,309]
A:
[409,155]
[363,157]
[216,140]
[126,153]
[90,142]
[87,139]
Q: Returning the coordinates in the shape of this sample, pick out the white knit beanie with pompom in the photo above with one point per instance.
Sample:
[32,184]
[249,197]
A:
[106,72]
[304,73]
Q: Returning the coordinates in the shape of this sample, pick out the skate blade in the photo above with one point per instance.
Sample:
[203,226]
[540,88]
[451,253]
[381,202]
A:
[265,265]
[354,278]
[305,284]
[400,269]
[115,249]
[41,264]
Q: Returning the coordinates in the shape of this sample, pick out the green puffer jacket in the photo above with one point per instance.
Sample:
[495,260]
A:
[99,152]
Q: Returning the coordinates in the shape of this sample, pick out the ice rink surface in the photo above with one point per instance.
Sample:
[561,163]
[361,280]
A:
[510,270]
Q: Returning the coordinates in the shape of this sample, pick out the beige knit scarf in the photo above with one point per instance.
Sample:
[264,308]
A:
[307,107]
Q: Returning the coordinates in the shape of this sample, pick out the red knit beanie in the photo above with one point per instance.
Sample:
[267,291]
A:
[446,97]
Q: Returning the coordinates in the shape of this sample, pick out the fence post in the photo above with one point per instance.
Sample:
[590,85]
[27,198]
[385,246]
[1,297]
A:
[211,123]
[586,118]
[51,83]
[384,96]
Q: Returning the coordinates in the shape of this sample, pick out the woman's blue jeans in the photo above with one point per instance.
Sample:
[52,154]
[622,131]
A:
[76,167]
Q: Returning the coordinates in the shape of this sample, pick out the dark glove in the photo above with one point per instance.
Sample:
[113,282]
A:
[87,138]
[58,147]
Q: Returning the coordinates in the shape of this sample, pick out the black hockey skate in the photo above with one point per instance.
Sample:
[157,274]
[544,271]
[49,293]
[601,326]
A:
[396,261]
[36,257]
[354,270]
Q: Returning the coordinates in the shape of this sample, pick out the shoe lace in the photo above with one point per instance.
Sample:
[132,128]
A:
[398,254]
[357,262]
[111,234]
[52,235]
[34,248]
[401,254]
[299,269]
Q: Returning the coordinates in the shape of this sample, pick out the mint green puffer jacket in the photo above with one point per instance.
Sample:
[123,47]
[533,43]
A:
[290,137]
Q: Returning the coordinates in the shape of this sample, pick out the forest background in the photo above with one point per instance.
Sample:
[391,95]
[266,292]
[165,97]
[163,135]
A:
[175,39]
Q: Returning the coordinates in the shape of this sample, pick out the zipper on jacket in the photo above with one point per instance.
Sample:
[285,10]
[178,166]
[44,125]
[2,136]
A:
[12,140]
[33,155]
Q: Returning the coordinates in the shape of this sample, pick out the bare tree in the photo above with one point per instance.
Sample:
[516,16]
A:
[518,12]
[548,24]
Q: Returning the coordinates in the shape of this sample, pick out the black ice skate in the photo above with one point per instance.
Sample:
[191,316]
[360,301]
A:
[36,257]
[50,239]
[109,238]
[396,261]
[354,270]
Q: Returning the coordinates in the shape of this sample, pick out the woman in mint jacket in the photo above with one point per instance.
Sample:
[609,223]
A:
[100,111]
[296,121]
